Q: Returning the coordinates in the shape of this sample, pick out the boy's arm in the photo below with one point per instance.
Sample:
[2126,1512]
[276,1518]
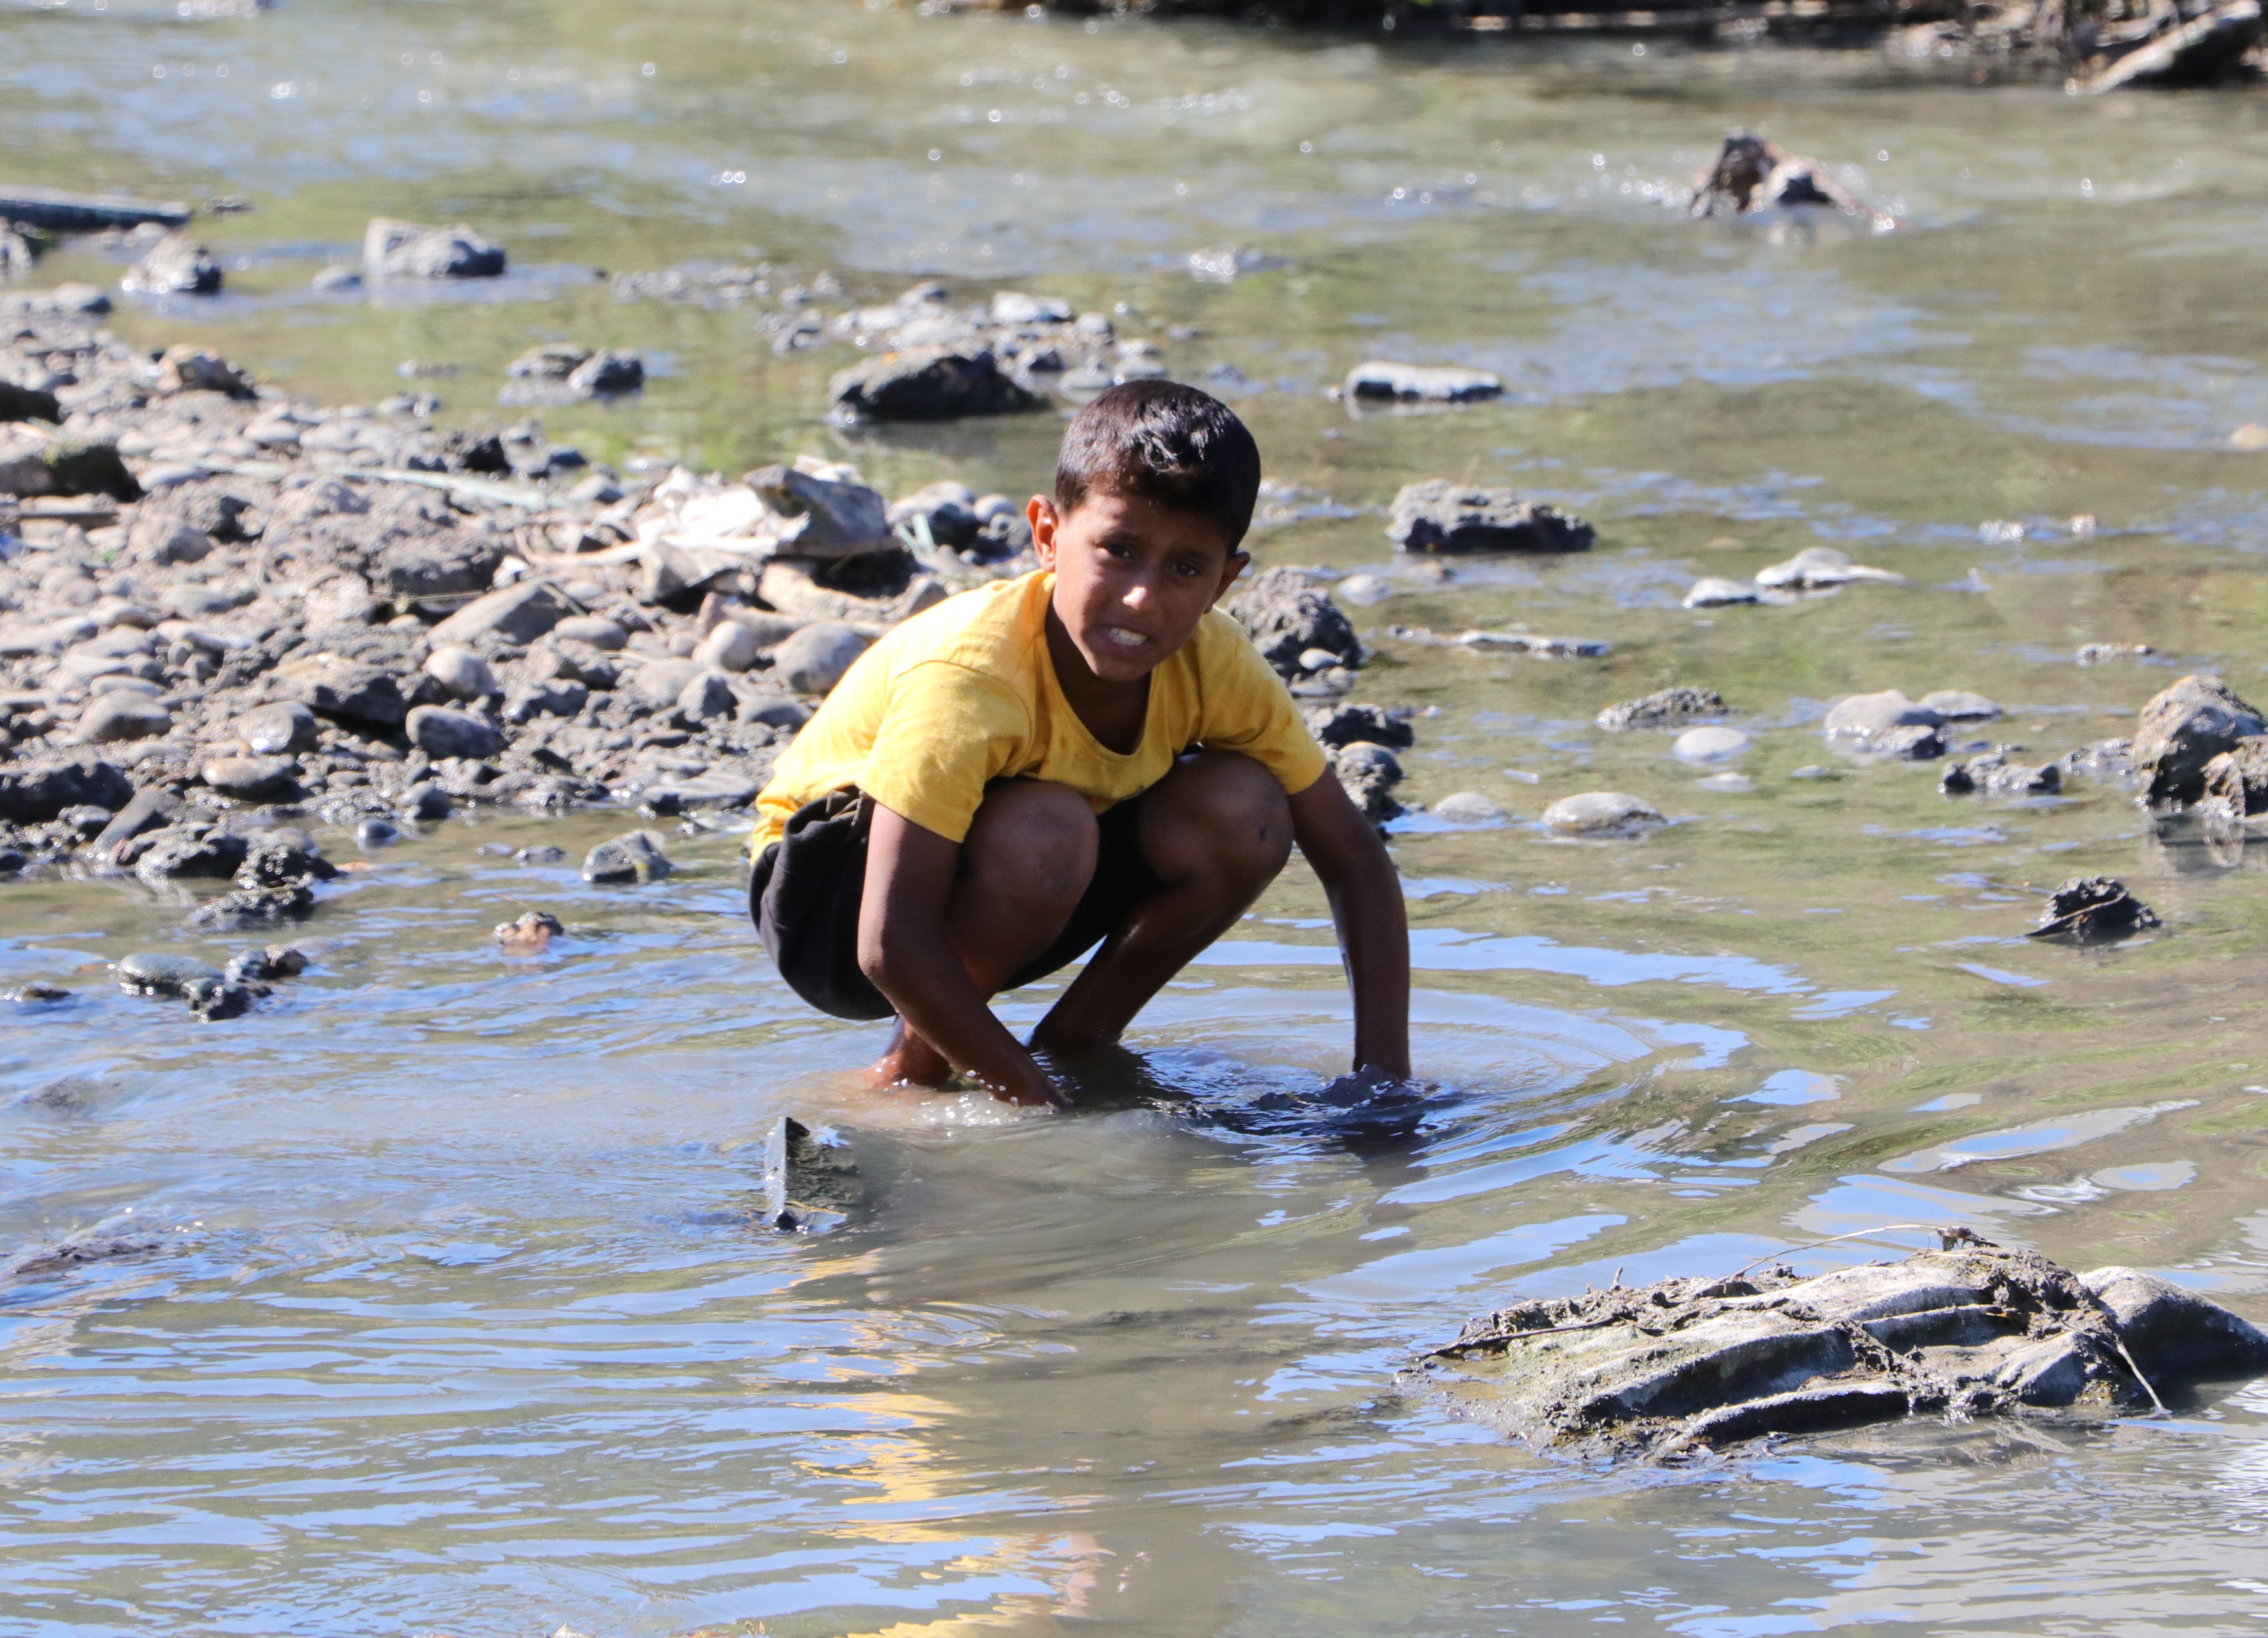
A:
[903,947]
[1365,896]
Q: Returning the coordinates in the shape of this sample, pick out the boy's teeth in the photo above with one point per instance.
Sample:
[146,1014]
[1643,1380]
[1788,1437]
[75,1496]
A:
[1123,637]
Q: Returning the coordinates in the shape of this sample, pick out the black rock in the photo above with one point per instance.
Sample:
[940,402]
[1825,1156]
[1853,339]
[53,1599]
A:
[36,793]
[1285,616]
[1345,725]
[481,453]
[27,403]
[1664,708]
[193,850]
[1440,516]
[265,965]
[252,907]
[281,858]
[213,1000]
[927,384]
[2092,910]
[634,856]
[375,833]
[154,974]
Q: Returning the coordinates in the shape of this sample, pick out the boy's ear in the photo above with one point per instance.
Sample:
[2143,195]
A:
[1237,563]
[1041,513]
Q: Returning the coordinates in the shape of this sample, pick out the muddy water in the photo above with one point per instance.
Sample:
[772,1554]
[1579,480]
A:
[455,1320]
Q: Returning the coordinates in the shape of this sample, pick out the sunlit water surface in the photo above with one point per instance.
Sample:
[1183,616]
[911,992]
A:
[459,1320]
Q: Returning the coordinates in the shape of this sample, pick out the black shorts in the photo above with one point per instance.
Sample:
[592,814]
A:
[805,892]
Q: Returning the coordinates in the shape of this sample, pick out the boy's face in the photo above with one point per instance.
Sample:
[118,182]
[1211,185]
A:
[1132,577]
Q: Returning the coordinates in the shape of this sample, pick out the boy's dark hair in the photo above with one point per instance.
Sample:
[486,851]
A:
[1167,443]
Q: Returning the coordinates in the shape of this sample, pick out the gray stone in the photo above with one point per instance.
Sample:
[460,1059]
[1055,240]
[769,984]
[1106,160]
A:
[1285,616]
[188,368]
[442,733]
[787,715]
[190,850]
[281,857]
[1955,705]
[2184,728]
[634,856]
[556,696]
[114,718]
[445,563]
[1703,745]
[1603,812]
[151,809]
[1889,723]
[461,673]
[827,519]
[608,374]
[519,613]
[657,682]
[1369,773]
[425,804]
[1441,516]
[1469,808]
[2093,910]
[730,647]
[2175,1333]
[1663,709]
[927,384]
[1015,307]
[1415,382]
[395,249]
[1818,568]
[213,1000]
[814,660]
[596,629]
[177,265]
[706,697]
[159,537]
[252,778]
[375,832]
[563,660]
[2235,784]
[153,973]
[668,572]
[1715,592]
[277,729]
[347,690]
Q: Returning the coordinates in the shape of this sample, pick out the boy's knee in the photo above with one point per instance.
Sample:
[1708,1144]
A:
[1229,813]
[1033,838]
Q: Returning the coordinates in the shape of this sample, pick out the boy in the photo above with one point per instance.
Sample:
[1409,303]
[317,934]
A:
[1087,752]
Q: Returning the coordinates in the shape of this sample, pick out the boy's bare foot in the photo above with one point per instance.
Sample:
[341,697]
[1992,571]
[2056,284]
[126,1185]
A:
[910,1061]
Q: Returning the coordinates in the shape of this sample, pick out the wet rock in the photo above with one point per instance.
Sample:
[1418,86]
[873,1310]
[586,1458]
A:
[519,613]
[2184,728]
[212,1001]
[1954,705]
[1663,709]
[426,803]
[18,402]
[1704,746]
[2236,783]
[1820,568]
[1441,516]
[531,934]
[2104,654]
[347,691]
[1335,726]
[2093,910]
[442,733]
[177,265]
[278,730]
[1995,776]
[926,384]
[189,850]
[254,907]
[158,974]
[462,673]
[397,249]
[375,832]
[1419,382]
[252,778]
[1369,773]
[1887,723]
[1603,812]
[265,965]
[540,853]
[634,856]
[814,659]
[186,368]
[1711,592]
[151,809]
[1469,808]
[1971,1329]
[1754,175]
[118,718]
[1285,616]
[35,993]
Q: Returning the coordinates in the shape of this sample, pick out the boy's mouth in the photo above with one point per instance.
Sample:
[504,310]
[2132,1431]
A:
[1122,636]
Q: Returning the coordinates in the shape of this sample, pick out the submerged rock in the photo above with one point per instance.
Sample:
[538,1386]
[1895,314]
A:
[1996,776]
[397,249]
[1887,723]
[1603,812]
[2184,728]
[177,265]
[927,384]
[1967,1331]
[1285,616]
[1369,773]
[2091,910]
[634,856]
[1714,592]
[1703,745]
[1441,516]
[1664,708]
[531,934]
[1409,383]
[1470,808]
[154,974]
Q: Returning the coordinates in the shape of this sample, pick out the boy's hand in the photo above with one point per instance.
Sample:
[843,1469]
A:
[1374,931]
[905,948]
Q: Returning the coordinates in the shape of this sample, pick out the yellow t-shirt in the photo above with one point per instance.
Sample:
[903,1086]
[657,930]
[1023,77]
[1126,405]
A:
[965,693]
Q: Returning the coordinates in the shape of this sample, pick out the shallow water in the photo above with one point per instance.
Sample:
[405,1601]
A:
[456,1320]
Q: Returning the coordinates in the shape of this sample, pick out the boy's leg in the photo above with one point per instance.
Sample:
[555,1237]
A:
[1023,865]
[1215,831]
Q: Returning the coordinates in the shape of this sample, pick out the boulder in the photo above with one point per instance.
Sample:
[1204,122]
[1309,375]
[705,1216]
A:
[1421,382]
[927,384]
[519,613]
[397,249]
[2174,1333]
[636,856]
[442,733]
[462,673]
[821,518]
[348,690]
[1441,516]
[814,659]
[1889,723]
[277,729]
[252,778]
[177,265]
[35,792]
[1603,812]
[1663,709]
[2184,728]
[1285,616]
[115,719]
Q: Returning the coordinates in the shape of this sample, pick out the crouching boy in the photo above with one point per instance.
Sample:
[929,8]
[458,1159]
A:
[1087,753]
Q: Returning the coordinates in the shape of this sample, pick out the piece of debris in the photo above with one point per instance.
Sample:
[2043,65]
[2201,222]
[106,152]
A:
[1752,174]
[1820,568]
[1971,1329]
[809,1182]
[2173,42]
[2094,910]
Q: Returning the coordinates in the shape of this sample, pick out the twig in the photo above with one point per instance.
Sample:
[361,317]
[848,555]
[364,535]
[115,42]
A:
[1808,1245]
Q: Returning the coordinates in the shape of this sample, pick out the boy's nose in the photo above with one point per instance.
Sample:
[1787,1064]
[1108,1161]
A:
[1137,594]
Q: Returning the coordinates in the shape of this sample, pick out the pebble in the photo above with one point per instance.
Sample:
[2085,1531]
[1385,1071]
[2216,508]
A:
[443,734]
[1603,812]
[634,856]
[117,718]
[1711,745]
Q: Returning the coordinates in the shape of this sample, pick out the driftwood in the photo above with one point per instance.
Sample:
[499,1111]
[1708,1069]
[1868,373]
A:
[56,212]
[1966,1331]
